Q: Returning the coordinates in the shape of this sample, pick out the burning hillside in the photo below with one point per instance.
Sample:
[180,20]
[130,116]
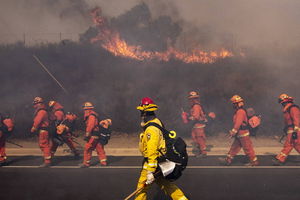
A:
[111,40]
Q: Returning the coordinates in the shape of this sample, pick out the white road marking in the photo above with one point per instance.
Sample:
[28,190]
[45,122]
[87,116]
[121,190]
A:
[189,167]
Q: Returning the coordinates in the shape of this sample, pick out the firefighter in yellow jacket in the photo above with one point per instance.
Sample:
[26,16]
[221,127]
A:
[152,145]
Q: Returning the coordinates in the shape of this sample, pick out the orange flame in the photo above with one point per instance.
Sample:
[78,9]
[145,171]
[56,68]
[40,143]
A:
[112,42]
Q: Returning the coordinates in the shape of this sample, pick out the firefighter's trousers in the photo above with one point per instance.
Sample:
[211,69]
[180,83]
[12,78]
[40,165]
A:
[90,146]
[168,187]
[289,145]
[45,144]
[199,137]
[2,147]
[67,138]
[242,141]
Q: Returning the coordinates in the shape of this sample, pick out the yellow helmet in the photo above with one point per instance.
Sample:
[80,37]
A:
[147,105]
[109,121]
[51,103]
[236,99]
[193,95]
[285,98]
[37,100]
[87,106]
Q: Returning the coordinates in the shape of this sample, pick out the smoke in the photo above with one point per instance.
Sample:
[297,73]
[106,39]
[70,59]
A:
[263,25]
[42,21]
[257,24]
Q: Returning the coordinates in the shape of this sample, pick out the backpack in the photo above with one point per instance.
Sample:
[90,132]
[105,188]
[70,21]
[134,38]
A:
[288,110]
[102,133]
[9,123]
[175,152]
[253,123]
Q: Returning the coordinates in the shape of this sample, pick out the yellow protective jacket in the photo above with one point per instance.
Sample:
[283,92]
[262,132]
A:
[151,144]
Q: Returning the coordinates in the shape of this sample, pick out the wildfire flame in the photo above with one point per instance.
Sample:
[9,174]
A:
[112,42]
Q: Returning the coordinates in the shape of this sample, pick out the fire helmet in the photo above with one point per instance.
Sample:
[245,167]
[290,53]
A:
[193,95]
[109,121]
[285,98]
[147,105]
[88,106]
[37,100]
[51,103]
[236,99]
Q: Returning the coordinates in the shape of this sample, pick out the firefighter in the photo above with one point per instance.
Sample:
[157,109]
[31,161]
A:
[92,136]
[57,113]
[56,116]
[6,127]
[240,133]
[59,126]
[65,131]
[40,126]
[291,115]
[152,145]
[199,120]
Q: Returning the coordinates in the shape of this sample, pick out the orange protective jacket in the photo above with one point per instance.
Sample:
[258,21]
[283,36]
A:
[57,113]
[40,119]
[197,114]
[240,121]
[91,121]
[291,115]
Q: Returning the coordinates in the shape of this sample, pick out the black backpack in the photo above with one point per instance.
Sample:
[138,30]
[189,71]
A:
[176,151]
[102,133]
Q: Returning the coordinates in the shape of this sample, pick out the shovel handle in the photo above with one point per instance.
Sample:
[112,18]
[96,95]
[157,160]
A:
[134,193]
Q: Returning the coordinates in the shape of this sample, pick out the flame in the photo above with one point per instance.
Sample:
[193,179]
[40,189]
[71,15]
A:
[112,42]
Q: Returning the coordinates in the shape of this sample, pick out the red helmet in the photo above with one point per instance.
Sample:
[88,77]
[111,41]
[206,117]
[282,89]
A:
[147,104]
[146,101]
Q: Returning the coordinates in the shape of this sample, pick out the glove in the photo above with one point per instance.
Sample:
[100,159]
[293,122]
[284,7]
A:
[87,136]
[232,133]
[33,130]
[150,178]
[212,115]
[295,133]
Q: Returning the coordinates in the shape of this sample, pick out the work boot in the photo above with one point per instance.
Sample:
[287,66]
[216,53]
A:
[82,165]
[201,155]
[277,162]
[103,163]
[252,164]
[76,156]
[3,163]
[45,165]
[225,161]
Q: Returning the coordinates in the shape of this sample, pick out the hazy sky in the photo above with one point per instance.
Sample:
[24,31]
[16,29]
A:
[254,23]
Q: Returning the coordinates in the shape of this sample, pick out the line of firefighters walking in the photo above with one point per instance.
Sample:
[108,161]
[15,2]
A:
[244,122]
[55,127]
[153,143]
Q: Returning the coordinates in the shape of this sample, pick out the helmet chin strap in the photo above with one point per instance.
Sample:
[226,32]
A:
[147,116]
[238,105]
[285,103]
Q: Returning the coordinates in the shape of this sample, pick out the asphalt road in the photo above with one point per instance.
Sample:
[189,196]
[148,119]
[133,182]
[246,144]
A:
[137,160]
[205,179]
